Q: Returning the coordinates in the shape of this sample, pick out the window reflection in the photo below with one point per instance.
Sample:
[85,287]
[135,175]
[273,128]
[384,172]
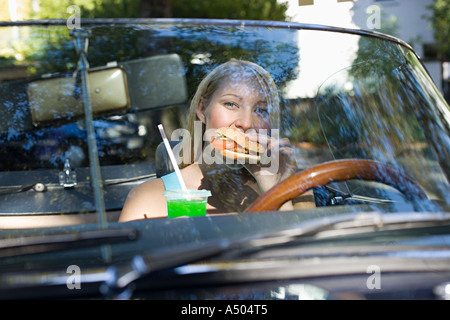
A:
[343,96]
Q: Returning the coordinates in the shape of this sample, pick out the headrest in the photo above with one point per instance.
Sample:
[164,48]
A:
[156,82]
[163,165]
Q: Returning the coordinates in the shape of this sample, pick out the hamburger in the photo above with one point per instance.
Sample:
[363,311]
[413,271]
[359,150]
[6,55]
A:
[234,144]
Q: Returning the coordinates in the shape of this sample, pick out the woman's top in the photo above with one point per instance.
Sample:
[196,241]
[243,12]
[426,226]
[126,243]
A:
[232,189]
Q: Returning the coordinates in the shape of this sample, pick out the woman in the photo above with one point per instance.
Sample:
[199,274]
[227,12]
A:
[237,94]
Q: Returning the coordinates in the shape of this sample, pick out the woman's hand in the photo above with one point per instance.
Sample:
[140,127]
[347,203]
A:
[277,163]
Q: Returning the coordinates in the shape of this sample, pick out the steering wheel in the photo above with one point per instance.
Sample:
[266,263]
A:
[339,170]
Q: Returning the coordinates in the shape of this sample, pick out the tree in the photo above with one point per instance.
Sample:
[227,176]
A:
[219,9]
[229,9]
[440,21]
[57,9]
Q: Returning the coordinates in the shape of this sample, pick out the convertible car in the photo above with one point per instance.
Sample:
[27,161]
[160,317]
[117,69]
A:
[80,110]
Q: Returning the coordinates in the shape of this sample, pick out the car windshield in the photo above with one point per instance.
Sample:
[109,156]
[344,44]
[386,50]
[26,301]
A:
[343,95]
[322,154]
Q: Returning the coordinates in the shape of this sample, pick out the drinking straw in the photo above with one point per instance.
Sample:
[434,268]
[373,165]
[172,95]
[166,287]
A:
[172,157]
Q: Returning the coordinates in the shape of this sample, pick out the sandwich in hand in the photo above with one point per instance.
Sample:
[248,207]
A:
[234,144]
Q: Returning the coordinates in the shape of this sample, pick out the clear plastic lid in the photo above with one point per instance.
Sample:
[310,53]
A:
[186,193]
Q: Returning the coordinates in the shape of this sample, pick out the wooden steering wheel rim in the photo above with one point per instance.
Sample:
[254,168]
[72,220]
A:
[339,170]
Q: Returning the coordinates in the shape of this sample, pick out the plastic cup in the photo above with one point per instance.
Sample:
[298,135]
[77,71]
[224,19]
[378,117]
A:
[186,202]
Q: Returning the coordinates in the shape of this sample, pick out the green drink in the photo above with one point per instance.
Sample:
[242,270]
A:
[183,207]
[191,203]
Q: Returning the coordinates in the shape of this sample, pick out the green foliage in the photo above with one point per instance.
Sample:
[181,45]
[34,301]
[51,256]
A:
[114,9]
[57,9]
[60,9]
[440,21]
[229,9]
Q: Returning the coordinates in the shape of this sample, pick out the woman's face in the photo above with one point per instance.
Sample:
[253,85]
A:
[239,103]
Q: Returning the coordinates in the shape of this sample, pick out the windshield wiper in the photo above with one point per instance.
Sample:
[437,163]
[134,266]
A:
[110,182]
[117,278]
[122,275]
[55,242]
[341,225]
[15,189]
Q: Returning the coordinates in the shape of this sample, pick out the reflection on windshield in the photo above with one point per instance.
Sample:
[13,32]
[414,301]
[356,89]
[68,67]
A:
[349,97]
[358,122]
[317,63]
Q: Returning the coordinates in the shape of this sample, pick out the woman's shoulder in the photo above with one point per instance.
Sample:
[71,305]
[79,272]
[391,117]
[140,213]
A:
[144,200]
[192,176]
[152,186]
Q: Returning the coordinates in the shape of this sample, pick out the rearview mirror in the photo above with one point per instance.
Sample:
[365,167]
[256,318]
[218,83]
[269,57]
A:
[56,98]
[135,85]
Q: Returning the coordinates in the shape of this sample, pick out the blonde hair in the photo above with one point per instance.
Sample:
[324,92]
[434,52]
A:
[235,68]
